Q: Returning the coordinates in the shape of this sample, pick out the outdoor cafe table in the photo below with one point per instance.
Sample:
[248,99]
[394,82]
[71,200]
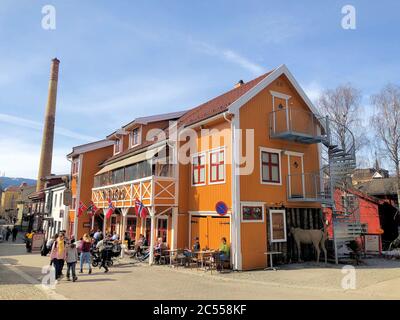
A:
[202,253]
[171,251]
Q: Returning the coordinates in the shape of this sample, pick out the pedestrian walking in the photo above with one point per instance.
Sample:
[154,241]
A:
[28,241]
[49,246]
[104,253]
[14,233]
[8,233]
[58,254]
[85,246]
[72,258]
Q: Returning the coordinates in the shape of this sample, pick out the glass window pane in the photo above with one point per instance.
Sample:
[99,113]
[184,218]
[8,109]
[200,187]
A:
[213,173]
[202,175]
[195,176]
[221,156]
[265,157]
[274,158]
[275,174]
[221,172]
[265,173]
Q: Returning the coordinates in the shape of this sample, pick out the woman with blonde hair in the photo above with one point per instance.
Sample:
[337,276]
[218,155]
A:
[86,243]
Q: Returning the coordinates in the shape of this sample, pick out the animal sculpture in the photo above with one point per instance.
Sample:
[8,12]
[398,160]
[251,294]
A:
[312,236]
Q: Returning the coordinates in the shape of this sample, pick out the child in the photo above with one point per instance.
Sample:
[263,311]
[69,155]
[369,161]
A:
[72,258]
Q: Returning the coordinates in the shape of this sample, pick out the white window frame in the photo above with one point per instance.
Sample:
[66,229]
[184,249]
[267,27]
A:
[75,167]
[120,145]
[271,211]
[270,150]
[210,152]
[252,204]
[139,137]
[162,217]
[199,154]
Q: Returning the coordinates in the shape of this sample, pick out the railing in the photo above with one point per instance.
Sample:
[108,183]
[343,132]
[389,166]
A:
[296,124]
[152,191]
[309,187]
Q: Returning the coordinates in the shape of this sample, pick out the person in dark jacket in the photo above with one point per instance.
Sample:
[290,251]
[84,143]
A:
[8,233]
[14,233]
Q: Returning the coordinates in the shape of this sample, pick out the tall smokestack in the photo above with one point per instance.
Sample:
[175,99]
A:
[46,153]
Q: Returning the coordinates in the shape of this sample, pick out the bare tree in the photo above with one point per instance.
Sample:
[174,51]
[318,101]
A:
[343,105]
[386,123]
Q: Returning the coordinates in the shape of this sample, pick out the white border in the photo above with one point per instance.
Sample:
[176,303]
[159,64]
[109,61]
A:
[209,152]
[252,204]
[278,151]
[202,153]
[139,139]
[270,224]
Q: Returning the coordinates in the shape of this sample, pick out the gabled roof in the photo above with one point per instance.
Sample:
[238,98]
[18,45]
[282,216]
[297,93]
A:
[376,187]
[89,147]
[218,104]
[156,118]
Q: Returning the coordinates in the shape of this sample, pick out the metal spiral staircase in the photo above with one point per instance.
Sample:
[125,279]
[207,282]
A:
[341,158]
[301,126]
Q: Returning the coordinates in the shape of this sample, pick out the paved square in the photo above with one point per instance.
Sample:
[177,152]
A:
[20,278]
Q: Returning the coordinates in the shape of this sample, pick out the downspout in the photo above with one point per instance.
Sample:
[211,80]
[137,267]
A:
[236,259]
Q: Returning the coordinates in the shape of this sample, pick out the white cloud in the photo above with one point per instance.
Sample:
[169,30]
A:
[313,91]
[228,55]
[26,123]
[22,159]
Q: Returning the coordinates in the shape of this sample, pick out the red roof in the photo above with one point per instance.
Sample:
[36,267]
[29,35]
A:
[218,104]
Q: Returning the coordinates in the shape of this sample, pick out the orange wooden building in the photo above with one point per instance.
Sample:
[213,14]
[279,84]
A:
[256,148]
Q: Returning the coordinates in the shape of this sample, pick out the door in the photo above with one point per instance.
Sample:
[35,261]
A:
[209,230]
[218,227]
[296,176]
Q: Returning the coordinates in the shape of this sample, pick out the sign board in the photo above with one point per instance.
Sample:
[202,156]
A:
[37,241]
[221,208]
[372,243]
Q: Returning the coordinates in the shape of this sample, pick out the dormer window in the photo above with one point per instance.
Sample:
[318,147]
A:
[134,137]
[75,167]
[117,146]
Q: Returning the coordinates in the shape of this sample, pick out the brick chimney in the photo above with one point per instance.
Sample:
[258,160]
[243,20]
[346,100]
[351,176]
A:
[46,153]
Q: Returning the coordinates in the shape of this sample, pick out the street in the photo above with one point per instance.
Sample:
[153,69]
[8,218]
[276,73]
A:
[21,276]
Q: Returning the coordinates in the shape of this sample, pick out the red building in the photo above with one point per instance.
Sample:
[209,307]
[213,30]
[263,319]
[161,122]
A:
[361,208]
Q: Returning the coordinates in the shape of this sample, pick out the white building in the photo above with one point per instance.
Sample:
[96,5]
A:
[56,212]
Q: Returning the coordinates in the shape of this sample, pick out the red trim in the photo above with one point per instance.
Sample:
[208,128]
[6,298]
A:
[217,165]
[198,168]
[270,165]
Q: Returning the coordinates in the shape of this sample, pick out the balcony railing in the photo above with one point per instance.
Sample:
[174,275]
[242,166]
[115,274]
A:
[297,125]
[308,187]
[152,191]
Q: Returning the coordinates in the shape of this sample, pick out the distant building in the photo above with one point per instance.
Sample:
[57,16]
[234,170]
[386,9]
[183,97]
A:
[56,211]
[24,205]
[368,174]
[384,188]
[8,204]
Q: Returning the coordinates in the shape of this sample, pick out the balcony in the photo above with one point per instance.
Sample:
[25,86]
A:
[296,125]
[308,187]
[152,191]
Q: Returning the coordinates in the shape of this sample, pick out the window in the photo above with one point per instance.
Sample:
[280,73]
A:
[277,225]
[217,166]
[131,227]
[75,167]
[74,203]
[135,137]
[199,169]
[117,146]
[55,200]
[61,198]
[162,228]
[252,211]
[270,171]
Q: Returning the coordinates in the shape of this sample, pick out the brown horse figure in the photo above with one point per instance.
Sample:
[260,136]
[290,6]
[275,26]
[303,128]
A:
[312,236]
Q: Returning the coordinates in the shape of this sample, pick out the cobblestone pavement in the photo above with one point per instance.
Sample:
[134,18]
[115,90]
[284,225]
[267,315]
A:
[21,277]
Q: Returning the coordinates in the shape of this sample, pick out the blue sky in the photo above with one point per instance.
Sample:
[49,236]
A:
[123,59]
